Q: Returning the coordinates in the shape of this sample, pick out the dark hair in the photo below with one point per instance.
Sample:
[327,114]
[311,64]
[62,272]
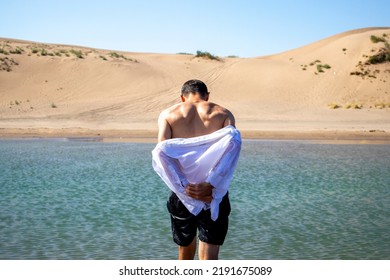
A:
[194,86]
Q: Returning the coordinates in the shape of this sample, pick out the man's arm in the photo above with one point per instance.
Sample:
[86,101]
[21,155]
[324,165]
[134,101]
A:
[164,129]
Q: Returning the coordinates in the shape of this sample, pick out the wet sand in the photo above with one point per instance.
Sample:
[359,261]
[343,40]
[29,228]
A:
[149,136]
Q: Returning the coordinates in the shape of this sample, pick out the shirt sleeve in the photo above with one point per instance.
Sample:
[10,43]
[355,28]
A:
[169,171]
[221,175]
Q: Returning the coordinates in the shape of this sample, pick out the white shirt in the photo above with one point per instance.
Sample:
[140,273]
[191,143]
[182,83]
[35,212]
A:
[209,158]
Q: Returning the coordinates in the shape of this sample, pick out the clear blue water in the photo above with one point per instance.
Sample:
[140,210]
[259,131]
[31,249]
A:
[64,199]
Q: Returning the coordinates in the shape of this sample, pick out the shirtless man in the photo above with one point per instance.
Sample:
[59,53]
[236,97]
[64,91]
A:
[195,116]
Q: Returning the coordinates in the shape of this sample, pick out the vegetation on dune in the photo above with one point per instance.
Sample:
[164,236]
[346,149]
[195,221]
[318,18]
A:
[207,55]
[376,39]
[333,106]
[320,67]
[353,106]
[346,106]
[17,50]
[377,105]
[7,48]
[77,53]
[120,56]
[382,56]
[44,52]
[382,105]
[7,63]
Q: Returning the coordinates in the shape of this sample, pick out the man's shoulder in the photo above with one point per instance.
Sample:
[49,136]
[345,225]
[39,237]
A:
[223,114]
[174,112]
[170,110]
[219,109]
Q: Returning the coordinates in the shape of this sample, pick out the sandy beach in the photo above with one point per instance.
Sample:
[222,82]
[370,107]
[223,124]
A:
[326,90]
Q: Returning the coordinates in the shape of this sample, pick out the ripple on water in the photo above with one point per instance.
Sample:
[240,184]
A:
[290,200]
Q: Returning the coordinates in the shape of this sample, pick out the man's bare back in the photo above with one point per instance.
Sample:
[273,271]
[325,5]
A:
[193,117]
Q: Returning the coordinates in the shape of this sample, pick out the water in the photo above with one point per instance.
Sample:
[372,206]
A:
[290,200]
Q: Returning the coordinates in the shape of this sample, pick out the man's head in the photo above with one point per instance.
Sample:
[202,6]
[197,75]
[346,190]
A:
[195,87]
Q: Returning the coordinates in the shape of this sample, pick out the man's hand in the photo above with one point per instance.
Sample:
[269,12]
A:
[202,191]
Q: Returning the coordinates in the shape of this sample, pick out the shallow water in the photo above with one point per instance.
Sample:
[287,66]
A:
[63,199]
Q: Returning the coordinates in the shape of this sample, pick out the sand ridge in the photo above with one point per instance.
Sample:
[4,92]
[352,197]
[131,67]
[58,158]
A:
[64,88]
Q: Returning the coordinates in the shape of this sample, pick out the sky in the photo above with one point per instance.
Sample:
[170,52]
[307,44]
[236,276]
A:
[245,28]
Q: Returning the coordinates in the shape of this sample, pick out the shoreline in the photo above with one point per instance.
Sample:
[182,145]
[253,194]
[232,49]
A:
[149,136]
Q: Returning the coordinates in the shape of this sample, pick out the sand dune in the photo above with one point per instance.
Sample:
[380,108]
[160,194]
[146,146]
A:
[51,88]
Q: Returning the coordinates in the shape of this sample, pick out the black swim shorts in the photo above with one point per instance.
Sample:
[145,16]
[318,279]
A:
[184,224]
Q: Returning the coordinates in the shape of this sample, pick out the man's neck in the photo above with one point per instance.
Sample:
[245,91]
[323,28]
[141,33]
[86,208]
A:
[195,98]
